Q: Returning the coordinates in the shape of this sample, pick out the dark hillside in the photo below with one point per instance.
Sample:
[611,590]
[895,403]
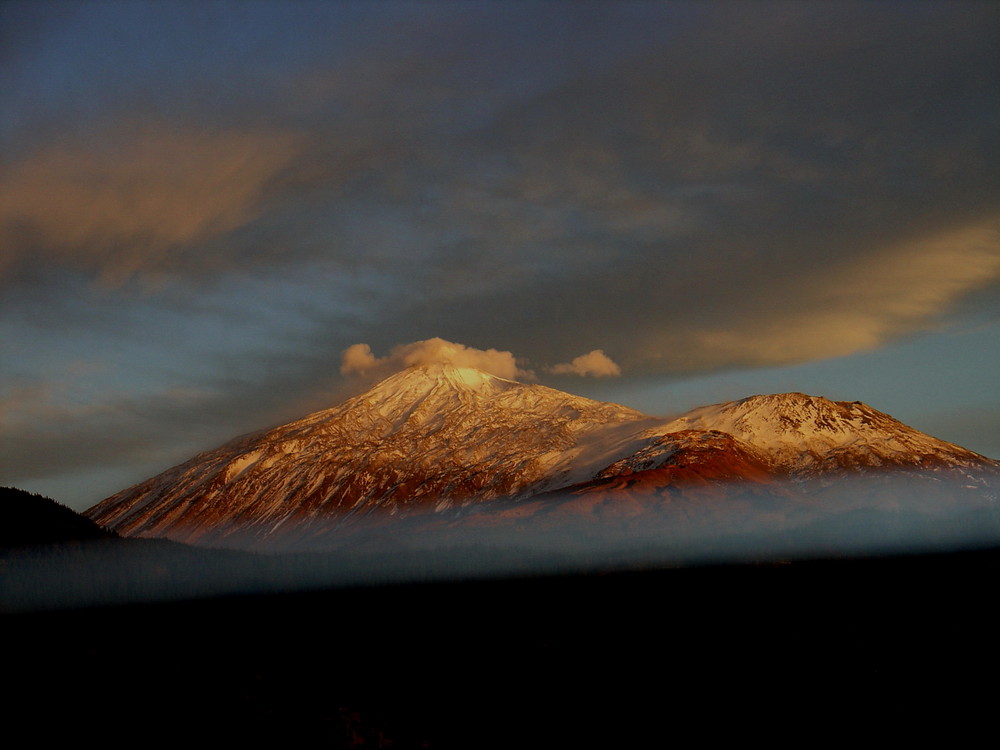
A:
[28,519]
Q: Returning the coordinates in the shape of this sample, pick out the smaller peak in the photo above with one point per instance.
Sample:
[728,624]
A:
[789,396]
[819,402]
[782,399]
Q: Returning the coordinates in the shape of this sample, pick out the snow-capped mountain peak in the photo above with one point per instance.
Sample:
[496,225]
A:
[430,435]
[419,381]
[439,437]
[804,434]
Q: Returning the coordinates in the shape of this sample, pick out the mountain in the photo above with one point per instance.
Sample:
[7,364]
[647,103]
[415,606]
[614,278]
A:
[432,436]
[778,463]
[444,447]
[807,435]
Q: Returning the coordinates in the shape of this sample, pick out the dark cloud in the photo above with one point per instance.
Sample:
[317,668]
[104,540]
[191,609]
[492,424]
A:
[766,192]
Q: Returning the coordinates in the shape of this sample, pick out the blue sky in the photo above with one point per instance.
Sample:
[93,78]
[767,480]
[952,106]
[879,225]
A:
[203,205]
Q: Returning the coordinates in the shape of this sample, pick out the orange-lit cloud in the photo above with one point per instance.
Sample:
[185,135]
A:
[359,360]
[854,307]
[128,205]
[595,363]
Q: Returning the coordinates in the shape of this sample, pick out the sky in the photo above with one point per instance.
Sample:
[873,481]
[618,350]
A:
[217,217]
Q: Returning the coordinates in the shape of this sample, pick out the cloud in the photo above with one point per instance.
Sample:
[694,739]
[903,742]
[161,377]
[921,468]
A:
[359,360]
[136,201]
[596,363]
[842,309]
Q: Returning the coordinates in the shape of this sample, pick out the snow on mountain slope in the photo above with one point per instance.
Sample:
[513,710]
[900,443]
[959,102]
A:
[437,435]
[808,435]
[441,441]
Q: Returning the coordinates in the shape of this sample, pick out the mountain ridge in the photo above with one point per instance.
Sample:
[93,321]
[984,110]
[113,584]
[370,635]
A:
[806,434]
[375,453]
[445,440]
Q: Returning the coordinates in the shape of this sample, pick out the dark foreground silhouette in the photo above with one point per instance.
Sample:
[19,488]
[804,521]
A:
[134,642]
[786,652]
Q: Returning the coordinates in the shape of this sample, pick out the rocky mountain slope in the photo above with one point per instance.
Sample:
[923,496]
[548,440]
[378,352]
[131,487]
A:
[456,446]
[435,436]
[807,435]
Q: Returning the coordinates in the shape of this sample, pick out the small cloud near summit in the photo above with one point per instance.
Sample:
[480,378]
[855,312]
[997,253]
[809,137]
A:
[596,363]
[358,359]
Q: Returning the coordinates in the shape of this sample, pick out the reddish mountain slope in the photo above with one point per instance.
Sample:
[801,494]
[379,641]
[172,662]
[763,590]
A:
[447,446]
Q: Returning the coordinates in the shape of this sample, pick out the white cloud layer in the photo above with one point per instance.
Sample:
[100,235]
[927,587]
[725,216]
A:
[358,359]
[595,363]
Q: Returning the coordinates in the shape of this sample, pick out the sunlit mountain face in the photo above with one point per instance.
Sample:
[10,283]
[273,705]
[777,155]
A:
[440,454]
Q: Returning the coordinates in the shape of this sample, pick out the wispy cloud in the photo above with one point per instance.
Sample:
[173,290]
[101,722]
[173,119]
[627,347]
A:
[137,201]
[845,307]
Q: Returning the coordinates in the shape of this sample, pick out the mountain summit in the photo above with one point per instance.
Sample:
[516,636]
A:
[808,434]
[433,435]
[446,440]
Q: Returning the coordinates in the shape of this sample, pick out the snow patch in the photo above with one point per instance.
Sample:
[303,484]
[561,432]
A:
[236,467]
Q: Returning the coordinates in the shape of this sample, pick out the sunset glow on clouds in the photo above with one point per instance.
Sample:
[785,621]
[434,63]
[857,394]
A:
[214,204]
[359,360]
[595,363]
[852,308]
[138,203]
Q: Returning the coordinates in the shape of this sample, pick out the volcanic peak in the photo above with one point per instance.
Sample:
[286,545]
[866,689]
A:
[418,382]
[427,436]
[807,433]
[433,391]
[437,437]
